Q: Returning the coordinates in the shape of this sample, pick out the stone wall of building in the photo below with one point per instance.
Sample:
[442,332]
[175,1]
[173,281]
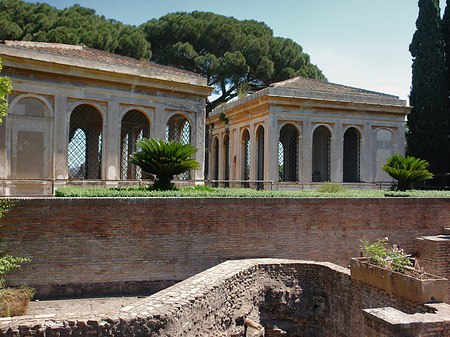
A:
[144,244]
[283,297]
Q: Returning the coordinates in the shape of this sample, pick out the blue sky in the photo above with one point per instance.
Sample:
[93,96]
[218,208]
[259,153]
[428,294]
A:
[355,42]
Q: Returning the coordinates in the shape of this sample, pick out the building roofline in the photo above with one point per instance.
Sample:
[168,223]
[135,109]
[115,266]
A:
[389,100]
[154,72]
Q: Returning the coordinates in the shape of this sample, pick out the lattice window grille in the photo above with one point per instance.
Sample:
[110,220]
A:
[134,127]
[288,154]
[178,129]
[216,160]
[260,168]
[280,161]
[85,143]
[247,159]
[351,163]
[321,155]
[77,155]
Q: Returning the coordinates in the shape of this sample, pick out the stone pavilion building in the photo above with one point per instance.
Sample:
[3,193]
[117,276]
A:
[75,114]
[300,132]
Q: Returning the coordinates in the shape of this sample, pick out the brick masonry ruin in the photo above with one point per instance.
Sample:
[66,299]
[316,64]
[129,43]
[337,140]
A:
[288,298]
[131,245]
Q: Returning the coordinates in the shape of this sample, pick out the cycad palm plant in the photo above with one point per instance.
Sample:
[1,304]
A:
[407,170]
[164,160]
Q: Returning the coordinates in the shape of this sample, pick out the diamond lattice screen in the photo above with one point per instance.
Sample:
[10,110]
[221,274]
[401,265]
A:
[178,129]
[85,143]
[246,158]
[351,167]
[260,163]
[288,153]
[321,155]
[134,127]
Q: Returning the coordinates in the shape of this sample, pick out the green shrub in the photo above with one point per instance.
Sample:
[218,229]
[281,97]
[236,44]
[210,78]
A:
[329,187]
[204,191]
[407,170]
[164,160]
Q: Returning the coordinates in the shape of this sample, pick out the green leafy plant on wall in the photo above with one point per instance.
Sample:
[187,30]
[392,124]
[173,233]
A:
[7,261]
[164,160]
[380,254]
[5,88]
[13,301]
[407,170]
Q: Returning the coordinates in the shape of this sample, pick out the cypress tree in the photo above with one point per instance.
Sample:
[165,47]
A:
[428,134]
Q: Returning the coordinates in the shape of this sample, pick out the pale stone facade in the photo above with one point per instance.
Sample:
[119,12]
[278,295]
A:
[297,133]
[76,112]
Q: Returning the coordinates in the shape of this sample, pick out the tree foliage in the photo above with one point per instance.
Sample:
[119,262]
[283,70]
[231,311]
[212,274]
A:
[407,170]
[5,88]
[74,25]
[164,160]
[428,123]
[235,56]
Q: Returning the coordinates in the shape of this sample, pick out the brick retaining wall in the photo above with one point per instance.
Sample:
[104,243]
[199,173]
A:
[81,244]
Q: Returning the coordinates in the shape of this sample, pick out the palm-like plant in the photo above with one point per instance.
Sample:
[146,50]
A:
[164,160]
[407,170]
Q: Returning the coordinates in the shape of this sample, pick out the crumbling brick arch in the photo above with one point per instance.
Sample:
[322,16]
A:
[321,153]
[288,154]
[135,125]
[85,142]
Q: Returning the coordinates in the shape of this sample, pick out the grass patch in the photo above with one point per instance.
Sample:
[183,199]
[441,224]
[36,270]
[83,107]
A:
[14,301]
[205,191]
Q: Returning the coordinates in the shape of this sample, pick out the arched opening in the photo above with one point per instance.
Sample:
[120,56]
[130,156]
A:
[351,163]
[288,153]
[85,143]
[134,127]
[215,173]
[260,158]
[384,147]
[178,129]
[246,145]
[226,143]
[31,138]
[321,154]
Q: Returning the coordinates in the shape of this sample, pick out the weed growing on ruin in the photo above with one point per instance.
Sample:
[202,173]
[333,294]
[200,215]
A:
[7,261]
[380,254]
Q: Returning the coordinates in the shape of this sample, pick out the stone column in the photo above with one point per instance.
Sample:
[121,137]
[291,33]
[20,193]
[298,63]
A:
[61,126]
[111,140]
[198,141]
[158,128]
[368,155]
[271,139]
[401,139]
[337,148]
[306,154]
